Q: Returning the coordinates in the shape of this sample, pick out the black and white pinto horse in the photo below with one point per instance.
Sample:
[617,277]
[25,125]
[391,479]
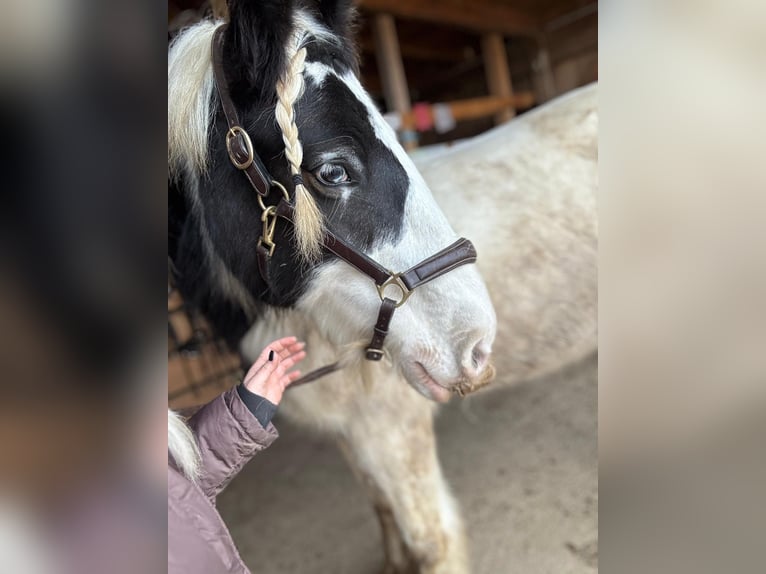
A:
[525,193]
[292,73]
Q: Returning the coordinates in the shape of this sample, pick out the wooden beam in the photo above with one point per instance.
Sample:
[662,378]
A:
[395,90]
[475,108]
[471,15]
[497,72]
[481,107]
[390,64]
[544,80]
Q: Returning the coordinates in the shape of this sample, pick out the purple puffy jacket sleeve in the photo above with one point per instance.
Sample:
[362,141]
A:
[228,435]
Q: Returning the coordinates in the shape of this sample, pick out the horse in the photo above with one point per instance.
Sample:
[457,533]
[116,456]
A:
[531,213]
[290,75]
[525,192]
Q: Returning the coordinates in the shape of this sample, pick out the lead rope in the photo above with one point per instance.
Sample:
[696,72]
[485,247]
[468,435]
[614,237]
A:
[315,374]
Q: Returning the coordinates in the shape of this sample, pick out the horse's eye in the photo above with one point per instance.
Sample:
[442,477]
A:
[332,174]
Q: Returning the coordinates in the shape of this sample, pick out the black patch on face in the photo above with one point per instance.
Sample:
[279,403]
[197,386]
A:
[335,128]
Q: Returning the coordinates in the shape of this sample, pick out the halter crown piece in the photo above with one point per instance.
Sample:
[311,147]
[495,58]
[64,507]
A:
[393,288]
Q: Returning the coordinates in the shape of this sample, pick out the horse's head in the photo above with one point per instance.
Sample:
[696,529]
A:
[366,188]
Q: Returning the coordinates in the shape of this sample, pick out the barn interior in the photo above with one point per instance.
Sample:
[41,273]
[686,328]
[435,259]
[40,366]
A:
[484,60]
[523,461]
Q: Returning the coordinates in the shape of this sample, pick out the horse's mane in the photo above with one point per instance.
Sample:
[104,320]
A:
[190,99]
[191,88]
[191,111]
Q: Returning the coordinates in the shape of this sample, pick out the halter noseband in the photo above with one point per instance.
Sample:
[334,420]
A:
[244,158]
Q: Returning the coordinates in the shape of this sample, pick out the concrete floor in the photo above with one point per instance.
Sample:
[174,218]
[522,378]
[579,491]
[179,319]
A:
[522,462]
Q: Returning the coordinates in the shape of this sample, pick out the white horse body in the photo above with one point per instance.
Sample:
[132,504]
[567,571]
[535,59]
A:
[525,194]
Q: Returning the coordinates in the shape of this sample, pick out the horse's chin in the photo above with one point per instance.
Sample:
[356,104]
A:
[422,381]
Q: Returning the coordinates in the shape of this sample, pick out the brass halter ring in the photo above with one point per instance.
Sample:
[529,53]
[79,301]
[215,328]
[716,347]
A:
[280,187]
[233,132]
[394,281]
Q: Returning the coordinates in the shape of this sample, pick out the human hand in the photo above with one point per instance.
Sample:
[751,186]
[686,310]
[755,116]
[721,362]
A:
[269,378]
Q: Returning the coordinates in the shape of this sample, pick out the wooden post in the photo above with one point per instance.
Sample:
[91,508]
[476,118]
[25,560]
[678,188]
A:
[391,68]
[220,9]
[497,72]
[545,83]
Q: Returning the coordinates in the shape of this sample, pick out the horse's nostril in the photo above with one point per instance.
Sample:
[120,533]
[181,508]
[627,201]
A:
[479,358]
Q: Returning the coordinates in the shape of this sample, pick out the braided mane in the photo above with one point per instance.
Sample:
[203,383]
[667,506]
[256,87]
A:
[308,218]
[191,109]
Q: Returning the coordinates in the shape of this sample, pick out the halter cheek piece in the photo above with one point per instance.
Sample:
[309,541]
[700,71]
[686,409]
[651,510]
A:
[393,288]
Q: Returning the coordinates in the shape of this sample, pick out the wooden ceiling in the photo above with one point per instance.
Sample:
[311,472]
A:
[440,40]
[509,17]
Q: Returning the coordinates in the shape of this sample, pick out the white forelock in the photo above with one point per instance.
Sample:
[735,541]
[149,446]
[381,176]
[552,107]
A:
[190,96]
[191,85]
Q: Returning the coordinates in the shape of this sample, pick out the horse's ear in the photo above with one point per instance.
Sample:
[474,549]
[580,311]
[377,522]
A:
[339,16]
[254,47]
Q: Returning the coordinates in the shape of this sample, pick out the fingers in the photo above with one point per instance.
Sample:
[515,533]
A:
[269,378]
[262,359]
[285,365]
[292,349]
[279,347]
[292,360]
[280,344]
[260,372]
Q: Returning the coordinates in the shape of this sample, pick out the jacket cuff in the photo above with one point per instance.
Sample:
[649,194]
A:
[262,408]
[261,435]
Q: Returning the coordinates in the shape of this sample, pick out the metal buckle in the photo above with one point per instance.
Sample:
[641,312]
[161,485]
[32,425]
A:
[373,354]
[233,132]
[396,281]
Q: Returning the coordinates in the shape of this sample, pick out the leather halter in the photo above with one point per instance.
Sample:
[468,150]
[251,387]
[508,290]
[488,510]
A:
[245,159]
